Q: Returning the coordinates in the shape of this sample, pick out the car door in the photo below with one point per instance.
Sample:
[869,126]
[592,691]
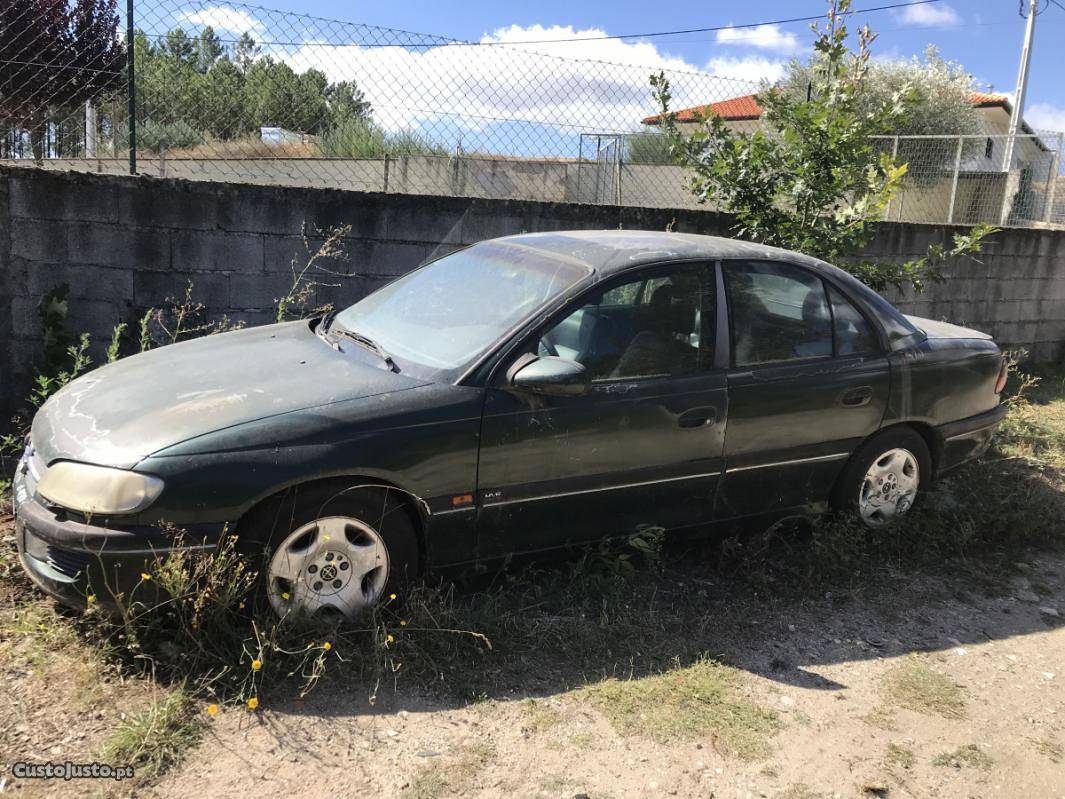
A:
[641,448]
[808,381]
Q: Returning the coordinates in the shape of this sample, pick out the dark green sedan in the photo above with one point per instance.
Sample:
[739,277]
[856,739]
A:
[526,394]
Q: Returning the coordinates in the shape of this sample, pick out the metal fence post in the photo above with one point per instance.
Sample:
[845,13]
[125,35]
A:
[617,173]
[894,155]
[131,89]
[1052,180]
[954,182]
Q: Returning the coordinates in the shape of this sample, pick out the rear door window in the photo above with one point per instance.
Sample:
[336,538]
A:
[778,312]
[853,334]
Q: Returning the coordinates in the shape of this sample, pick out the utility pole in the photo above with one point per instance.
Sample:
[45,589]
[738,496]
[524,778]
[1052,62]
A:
[1012,185]
[1022,84]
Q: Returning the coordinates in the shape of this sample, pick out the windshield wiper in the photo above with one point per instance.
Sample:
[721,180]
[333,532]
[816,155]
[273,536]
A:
[326,320]
[368,343]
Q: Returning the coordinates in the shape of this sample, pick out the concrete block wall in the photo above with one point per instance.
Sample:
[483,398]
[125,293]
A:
[1014,289]
[124,244]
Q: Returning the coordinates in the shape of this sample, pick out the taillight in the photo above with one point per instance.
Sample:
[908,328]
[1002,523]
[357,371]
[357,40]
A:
[1003,374]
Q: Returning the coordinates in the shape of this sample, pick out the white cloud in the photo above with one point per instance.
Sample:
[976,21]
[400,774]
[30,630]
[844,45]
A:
[929,15]
[1044,116]
[224,19]
[764,37]
[458,91]
[752,68]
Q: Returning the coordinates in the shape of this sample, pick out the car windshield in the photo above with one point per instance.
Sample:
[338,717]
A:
[435,321]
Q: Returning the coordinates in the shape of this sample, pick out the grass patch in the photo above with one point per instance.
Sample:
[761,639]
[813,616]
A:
[968,756]
[900,756]
[1050,750]
[582,740]
[452,776]
[799,791]
[881,717]
[156,738]
[33,634]
[685,703]
[914,685]
[539,716]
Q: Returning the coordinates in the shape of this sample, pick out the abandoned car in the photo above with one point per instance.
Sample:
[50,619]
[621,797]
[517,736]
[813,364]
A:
[523,394]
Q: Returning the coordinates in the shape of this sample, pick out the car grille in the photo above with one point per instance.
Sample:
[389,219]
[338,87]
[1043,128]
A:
[71,564]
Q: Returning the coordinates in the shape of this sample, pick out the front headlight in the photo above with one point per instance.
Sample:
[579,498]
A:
[98,489]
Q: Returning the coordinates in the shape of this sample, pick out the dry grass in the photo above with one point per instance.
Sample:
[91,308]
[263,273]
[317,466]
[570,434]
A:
[914,685]
[247,147]
[900,756]
[683,703]
[539,716]
[1049,749]
[450,776]
[156,738]
[799,791]
[968,756]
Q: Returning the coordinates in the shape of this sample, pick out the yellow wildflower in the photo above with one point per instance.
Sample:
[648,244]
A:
[327,646]
[389,639]
[256,664]
[285,595]
[402,623]
[90,598]
[145,576]
[391,596]
[212,710]
[253,703]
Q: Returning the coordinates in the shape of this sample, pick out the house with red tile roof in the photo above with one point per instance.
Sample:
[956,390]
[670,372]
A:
[983,185]
[744,114]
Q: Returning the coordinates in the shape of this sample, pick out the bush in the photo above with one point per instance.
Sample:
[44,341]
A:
[648,148]
[359,137]
[158,137]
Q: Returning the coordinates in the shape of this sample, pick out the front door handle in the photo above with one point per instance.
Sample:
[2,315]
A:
[697,417]
[856,397]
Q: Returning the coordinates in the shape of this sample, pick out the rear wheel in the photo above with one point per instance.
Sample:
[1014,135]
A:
[331,550]
[885,477]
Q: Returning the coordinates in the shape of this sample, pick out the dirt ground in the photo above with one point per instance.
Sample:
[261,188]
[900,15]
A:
[824,674]
[823,668]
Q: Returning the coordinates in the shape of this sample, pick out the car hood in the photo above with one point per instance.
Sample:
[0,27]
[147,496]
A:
[934,329]
[121,413]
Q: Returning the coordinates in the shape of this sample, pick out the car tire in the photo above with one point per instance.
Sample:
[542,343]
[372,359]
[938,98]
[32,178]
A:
[360,536]
[885,477]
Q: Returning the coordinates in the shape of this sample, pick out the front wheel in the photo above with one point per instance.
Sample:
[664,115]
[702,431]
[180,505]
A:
[331,550]
[885,477]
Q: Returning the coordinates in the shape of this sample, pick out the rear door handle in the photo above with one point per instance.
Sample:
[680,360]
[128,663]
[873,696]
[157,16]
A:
[697,417]
[856,397]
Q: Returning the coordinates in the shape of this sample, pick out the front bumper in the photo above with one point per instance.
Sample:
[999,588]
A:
[71,559]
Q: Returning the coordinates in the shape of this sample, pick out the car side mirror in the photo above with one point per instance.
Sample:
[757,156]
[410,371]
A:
[549,375]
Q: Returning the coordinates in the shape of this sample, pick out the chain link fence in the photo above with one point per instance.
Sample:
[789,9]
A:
[237,92]
[233,92]
[965,179]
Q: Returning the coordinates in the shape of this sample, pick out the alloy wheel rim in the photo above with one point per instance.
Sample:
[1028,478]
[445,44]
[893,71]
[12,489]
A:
[333,565]
[889,487]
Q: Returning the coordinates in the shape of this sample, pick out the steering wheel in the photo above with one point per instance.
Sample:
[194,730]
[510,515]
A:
[546,346]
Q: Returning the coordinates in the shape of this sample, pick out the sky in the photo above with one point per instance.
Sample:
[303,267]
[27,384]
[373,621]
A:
[470,94]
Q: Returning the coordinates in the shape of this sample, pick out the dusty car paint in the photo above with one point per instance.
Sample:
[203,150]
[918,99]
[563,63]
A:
[230,420]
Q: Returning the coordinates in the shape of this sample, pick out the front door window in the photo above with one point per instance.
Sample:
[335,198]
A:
[650,326]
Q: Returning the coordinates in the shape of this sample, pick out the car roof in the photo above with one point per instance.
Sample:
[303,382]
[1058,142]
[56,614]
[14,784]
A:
[610,251]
